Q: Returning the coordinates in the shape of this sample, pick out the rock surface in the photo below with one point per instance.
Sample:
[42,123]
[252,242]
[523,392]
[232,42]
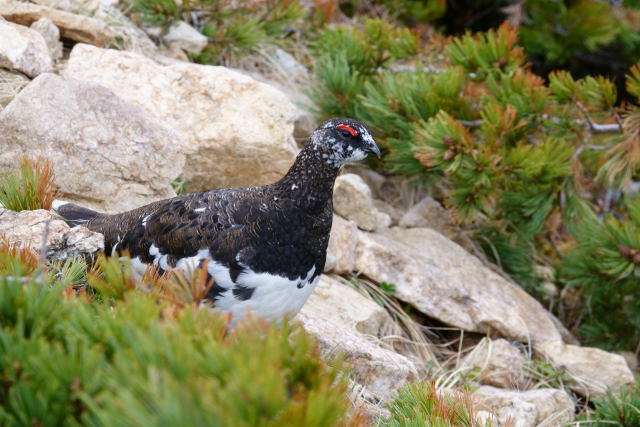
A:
[51,35]
[496,363]
[445,282]
[238,130]
[185,37]
[344,321]
[352,200]
[341,253]
[81,29]
[107,154]
[28,228]
[592,370]
[11,83]
[23,49]
[533,408]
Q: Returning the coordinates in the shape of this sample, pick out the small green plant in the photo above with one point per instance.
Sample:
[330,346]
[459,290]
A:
[420,404]
[30,188]
[621,409]
[545,375]
[231,27]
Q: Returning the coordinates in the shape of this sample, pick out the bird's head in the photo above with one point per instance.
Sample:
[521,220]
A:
[343,140]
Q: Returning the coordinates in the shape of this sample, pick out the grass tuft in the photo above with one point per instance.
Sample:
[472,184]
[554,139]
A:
[30,188]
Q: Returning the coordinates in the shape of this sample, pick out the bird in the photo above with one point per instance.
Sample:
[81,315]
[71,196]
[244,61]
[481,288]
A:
[264,247]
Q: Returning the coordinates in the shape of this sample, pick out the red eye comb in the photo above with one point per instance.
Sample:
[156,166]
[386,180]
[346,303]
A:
[349,129]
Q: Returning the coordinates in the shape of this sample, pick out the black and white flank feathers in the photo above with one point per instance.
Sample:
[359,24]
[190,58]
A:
[265,246]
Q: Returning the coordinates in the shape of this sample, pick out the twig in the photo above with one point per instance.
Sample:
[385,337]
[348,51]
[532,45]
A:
[598,128]
[42,259]
[471,123]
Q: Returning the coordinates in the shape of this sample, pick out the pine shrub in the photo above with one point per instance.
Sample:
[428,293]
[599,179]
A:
[542,174]
[146,356]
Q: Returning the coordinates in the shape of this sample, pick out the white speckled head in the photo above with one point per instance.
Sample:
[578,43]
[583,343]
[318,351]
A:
[343,140]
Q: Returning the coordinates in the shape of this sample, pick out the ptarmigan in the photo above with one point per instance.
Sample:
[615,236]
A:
[266,246]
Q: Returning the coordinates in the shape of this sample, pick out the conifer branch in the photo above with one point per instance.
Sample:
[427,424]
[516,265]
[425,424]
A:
[599,128]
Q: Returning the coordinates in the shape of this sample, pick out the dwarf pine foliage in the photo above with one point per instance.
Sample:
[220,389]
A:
[145,356]
[542,173]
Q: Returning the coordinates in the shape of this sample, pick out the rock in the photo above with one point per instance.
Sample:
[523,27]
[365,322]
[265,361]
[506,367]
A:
[107,154]
[185,37]
[592,370]
[28,228]
[384,207]
[443,281]
[352,200]
[548,407]
[239,130]
[631,359]
[426,213]
[497,363]
[11,83]
[23,50]
[51,35]
[343,320]
[81,29]
[342,246]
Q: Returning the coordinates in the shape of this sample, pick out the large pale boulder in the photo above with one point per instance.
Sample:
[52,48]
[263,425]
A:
[107,154]
[496,362]
[544,407]
[592,370]
[344,321]
[79,28]
[239,130]
[445,282]
[23,49]
[29,228]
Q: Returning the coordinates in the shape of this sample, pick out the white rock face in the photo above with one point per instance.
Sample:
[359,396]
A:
[342,246]
[533,408]
[28,228]
[497,363]
[107,154]
[51,35]
[238,130]
[592,370]
[344,321]
[352,200]
[445,282]
[81,29]
[185,37]
[23,49]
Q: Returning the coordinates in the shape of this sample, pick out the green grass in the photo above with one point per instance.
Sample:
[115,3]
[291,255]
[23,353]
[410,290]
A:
[29,188]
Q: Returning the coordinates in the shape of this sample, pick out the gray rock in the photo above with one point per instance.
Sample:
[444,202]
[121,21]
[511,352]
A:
[352,200]
[445,282]
[107,154]
[344,321]
[239,130]
[534,408]
[23,49]
[185,37]
[51,35]
[29,228]
[592,370]
[497,363]
[81,29]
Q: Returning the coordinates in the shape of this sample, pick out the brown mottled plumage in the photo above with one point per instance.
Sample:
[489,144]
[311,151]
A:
[264,244]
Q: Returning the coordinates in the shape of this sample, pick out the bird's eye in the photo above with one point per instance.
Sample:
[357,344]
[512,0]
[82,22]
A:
[347,130]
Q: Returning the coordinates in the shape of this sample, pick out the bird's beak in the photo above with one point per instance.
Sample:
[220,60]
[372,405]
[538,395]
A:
[373,148]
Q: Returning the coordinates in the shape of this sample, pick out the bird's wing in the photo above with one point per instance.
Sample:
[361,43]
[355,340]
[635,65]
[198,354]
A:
[180,227]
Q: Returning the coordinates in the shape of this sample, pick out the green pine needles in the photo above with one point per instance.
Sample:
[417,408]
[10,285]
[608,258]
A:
[133,357]
[533,169]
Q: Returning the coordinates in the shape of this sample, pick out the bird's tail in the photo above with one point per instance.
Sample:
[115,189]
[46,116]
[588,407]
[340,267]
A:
[74,214]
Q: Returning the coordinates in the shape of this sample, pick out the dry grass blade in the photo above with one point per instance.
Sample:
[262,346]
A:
[183,289]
